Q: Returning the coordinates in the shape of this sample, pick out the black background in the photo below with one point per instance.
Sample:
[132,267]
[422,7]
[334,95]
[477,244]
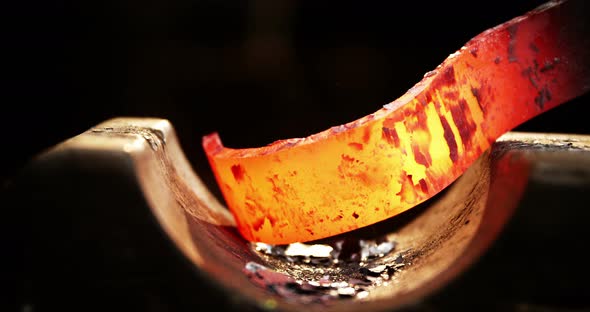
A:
[255,71]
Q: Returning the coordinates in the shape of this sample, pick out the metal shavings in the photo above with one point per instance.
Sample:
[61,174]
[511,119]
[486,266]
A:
[362,294]
[262,247]
[339,284]
[346,291]
[370,249]
[378,269]
[314,283]
[304,250]
[319,273]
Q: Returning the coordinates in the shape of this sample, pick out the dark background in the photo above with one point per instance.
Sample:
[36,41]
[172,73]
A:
[255,71]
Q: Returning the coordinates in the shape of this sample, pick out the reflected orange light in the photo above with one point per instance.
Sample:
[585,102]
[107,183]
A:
[371,169]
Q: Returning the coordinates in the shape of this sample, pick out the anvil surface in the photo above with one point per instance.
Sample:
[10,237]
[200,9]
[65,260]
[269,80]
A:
[118,216]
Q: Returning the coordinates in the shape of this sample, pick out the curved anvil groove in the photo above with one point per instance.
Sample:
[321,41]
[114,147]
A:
[371,169]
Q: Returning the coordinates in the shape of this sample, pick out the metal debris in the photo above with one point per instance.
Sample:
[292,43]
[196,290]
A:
[378,269]
[370,249]
[318,273]
[269,249]
[362,295]
[304,250]
[346,291]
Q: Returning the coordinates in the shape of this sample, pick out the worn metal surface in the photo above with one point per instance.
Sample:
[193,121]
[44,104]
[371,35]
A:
[118,212]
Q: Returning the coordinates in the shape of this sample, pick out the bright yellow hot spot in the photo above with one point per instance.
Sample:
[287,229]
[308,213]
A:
[385,163]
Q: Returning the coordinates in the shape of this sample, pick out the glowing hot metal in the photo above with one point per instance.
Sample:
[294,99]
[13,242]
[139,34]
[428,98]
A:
[371,169]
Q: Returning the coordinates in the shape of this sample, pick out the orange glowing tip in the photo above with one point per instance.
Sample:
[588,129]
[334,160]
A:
[378,166]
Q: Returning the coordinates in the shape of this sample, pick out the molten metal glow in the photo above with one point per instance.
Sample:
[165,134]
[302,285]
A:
[371,169]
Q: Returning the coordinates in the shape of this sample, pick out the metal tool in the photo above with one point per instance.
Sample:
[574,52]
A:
[378,166]
[117,219]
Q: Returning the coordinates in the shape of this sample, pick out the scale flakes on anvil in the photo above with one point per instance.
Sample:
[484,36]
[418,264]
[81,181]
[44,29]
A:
[342,269]
[376,167]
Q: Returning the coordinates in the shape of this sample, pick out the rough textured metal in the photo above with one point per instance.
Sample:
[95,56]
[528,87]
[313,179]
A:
[116,188]
[326,274]
[380,165]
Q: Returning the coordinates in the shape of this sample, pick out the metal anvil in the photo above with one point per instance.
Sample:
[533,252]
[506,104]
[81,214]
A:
[117,219]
